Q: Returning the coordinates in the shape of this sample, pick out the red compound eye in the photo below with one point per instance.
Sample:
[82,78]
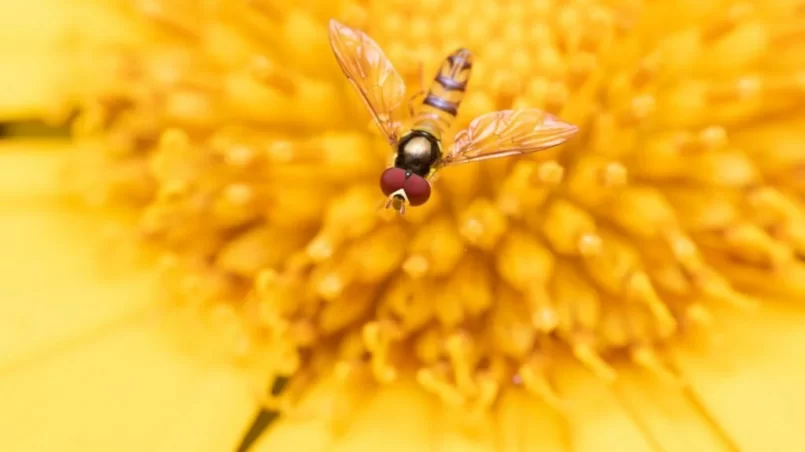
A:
[417,189]
[392,180]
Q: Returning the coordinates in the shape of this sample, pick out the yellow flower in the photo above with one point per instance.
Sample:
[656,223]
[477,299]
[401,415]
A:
[639,282]
[38,43]
[31,62]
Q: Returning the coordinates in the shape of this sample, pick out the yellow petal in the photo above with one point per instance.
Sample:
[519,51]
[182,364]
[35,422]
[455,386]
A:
[21,23]
[29,36]
[667,414]
[125,391]
[687,73]
[400,417]
[86,361]
[526,422]
[40,41]
[30,77]
[597,420]
[308,431]
[30,170]
[750,379]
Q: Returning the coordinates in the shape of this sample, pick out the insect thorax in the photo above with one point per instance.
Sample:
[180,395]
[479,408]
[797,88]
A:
[417,152]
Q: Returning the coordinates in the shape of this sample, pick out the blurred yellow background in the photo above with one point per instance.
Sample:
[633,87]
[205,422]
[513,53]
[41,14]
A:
[189,215]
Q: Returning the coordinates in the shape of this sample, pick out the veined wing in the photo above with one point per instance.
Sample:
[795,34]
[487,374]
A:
[506,133]
[380,86]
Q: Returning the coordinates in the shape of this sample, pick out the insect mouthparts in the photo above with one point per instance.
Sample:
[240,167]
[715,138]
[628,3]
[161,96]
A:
[397,202]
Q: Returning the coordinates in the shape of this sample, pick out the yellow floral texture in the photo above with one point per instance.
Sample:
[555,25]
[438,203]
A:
[676,214]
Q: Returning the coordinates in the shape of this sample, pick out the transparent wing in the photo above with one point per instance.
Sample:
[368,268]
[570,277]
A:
[506,133]
[380,85]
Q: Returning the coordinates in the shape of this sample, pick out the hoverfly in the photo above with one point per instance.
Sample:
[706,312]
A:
[418,151]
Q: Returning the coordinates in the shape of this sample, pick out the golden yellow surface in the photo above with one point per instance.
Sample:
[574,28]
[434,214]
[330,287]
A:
[40,41]
[635,289]
[27,56]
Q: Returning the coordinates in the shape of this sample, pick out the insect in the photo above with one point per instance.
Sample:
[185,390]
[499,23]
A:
[418,150]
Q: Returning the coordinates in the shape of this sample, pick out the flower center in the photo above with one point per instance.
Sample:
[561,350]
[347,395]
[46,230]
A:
[244,161]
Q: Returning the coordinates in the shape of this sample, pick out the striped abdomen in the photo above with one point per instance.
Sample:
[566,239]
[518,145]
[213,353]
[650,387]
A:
[440,106]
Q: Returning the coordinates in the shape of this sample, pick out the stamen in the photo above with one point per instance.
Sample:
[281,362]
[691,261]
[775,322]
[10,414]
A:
[437,247]
[348,216]
[595,181]
[331,286]
[733,16]
[416,266]
[699,314]
[527,186]
[646,71]
[613,175]
[549,173]
[638,288]
[742,89]
[482,224]
[640,108]
[459,350]
[267,71]
[378,338]
[755,246]
[536,382]
[647,358]
[437,383]
[543,313]
[243,162]
[717,289]
[170,20]
[591,359]
[570,230]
